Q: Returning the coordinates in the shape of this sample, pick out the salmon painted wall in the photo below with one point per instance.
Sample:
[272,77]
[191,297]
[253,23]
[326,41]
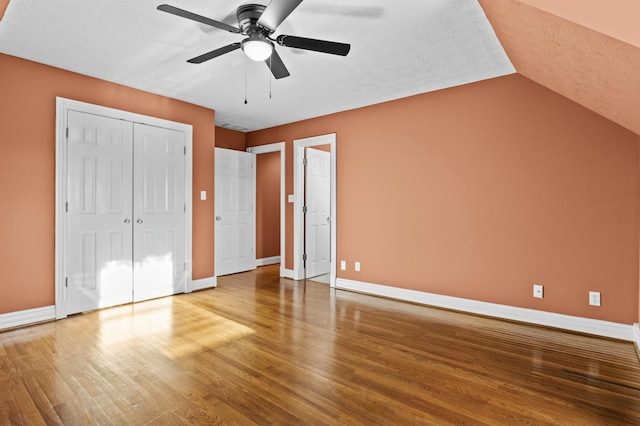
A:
[488,188]
[267,205]
[3,7]
[325,148]
[230,139]
[27,171]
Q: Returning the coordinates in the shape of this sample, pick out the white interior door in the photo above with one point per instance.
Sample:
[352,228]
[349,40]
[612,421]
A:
[318,213]
[159,212]
[234,211]
[99,257]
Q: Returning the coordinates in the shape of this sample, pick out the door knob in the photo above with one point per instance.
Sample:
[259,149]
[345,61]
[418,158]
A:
[329,219]
[127,221]
[218,218]
[139,221]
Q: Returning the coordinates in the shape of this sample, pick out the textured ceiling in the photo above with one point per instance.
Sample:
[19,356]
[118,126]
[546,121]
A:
[399,49]
[586,50]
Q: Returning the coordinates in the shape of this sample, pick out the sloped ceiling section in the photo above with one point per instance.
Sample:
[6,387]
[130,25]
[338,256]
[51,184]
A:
[587,51]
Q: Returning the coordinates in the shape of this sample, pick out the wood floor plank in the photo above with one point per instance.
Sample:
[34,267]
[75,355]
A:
[27,408]
[264,350]
[9,413]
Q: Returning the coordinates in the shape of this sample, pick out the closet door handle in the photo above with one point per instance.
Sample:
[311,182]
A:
[127,221]
[139,221]
[218,218]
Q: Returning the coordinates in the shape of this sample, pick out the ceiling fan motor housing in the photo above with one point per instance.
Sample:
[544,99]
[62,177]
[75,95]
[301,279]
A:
[248,16]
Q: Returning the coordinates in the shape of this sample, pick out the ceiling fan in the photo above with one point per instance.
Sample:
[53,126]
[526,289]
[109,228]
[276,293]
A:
[258,23]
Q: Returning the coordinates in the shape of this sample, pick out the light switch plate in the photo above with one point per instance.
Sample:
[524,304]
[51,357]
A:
[203,195]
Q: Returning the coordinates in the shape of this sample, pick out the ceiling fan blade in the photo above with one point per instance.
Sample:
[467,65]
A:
[277,66]
[214,53]
[276,12]
[323,46]
[203,20]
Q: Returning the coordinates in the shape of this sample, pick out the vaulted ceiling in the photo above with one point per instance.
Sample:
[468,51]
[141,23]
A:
[586,50]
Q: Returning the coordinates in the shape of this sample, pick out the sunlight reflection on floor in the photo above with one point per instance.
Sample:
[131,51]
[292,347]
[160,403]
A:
[153,321]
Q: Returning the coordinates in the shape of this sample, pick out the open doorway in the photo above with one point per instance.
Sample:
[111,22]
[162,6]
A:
[270,172]
[314,226]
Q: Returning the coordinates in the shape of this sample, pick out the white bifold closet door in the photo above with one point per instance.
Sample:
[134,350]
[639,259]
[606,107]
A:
[125,213]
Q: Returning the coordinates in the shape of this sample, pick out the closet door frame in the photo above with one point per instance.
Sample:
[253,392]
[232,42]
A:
[63,106]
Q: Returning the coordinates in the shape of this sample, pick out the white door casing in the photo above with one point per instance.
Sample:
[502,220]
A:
[318,213]
[99,212]
[299,146]
[234,212]
[159,210]
[63,248]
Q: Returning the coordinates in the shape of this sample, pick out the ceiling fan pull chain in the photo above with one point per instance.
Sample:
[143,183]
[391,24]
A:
[270,75]
[245,80]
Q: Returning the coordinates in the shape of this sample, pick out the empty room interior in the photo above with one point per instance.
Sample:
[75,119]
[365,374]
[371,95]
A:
[320,212]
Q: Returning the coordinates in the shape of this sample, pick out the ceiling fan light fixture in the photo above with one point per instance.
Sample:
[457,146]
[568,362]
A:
[257,48]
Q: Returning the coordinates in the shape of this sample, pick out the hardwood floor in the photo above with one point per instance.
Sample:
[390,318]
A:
[264,350]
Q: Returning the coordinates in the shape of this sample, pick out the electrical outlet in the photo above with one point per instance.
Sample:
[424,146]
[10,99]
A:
[357,266]
[594,298]
[343,265]
[538,291]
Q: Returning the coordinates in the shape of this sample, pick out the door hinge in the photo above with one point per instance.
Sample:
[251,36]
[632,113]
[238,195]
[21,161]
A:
[66,282]
[67,132]
[185,208]
[185,150]
[304,209]
[304,161]
[66,207]
[304,257]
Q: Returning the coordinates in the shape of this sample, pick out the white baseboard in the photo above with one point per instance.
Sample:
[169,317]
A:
[268,261]
[549,319]
[28,316]
[203,283]
[287,273]
[636,336]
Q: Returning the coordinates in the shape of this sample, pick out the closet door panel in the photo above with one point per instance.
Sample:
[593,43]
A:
[159,212]
[99,213]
